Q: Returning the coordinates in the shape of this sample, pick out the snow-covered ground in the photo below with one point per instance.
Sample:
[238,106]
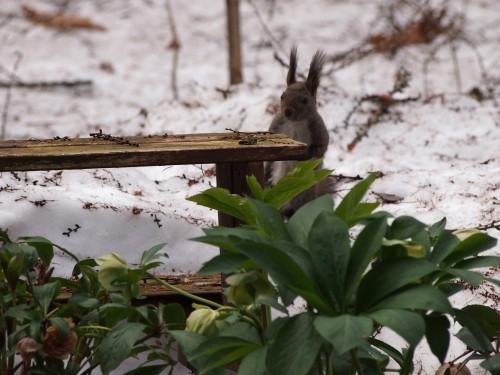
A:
[439,153]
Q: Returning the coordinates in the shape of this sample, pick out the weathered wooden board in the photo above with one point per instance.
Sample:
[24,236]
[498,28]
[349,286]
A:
[83,153]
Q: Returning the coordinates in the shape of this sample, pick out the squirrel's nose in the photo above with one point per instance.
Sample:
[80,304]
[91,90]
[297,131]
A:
[288,112]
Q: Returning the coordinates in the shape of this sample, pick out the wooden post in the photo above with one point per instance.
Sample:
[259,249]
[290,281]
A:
[234,41]
[232,176]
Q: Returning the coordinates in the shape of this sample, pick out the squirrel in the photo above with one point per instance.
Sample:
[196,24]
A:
[299,119]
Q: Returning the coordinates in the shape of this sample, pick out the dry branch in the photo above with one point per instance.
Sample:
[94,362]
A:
[175,46]
[45,84]
[383,103]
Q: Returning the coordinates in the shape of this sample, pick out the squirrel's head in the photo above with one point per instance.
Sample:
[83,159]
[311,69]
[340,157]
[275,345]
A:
[298,101]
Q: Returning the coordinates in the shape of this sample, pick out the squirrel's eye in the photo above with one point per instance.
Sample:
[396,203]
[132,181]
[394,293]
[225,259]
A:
[305,101]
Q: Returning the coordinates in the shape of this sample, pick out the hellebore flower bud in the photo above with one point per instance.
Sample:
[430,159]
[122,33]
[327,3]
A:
[205,321]
[453,369]
[245,287]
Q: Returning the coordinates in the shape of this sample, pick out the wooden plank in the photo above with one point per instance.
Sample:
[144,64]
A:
[83,153]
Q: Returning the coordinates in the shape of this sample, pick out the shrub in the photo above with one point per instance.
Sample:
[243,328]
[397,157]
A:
[357,269]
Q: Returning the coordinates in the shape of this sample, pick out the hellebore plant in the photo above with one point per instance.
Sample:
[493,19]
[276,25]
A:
[40,333]
[357,271]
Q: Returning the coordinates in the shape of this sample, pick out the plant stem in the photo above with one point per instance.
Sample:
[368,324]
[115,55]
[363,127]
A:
[184,293]
[355,362]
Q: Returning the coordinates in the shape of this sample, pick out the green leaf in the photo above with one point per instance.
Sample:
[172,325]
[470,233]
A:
[409,325]
[225,262]
[271,302]
[405,227]
[117,344]
[14,269]
[444,246]
[44,294]
[44,247]
[475,278]
[492,364]
[254,363]
[329,246]
[437,228]
[282,269]
[298,180]
[269,219]
[387,349]
[476,330]
[363,250]
[189,342]
[147,370]
[469,339]
[222,350]
[344,332]
[84,301]
[150,257]
[301,222]
[362,212]
[223,201]
[471,246]
[388,276]
[295,348]
[478,262]
[422,297]
[173,315]
[255,188]
[486,317]
[347,208]
[437,334]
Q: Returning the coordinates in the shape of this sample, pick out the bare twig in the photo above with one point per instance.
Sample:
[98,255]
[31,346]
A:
[44,84]
[495,224]
[274,41]
[175,46]
[8,95]
[118,140]
[383,102]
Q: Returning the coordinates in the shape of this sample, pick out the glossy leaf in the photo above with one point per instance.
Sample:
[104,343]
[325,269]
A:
[438,335]
[225,262]
[301,222]
[486,317]
[329,246]
[470,246]
[295,348]
[422,297]
[298,180]
[492,364]
[117,344]
[269,219]
[254,363]
[409,325]
[44,247]
[404,227]
[344,332]
[223,201]
[388,276]
[347,208]
[387,349]
[147,370]
[444,246]
[363,250]
[173,315]
[150,257]
[44,294]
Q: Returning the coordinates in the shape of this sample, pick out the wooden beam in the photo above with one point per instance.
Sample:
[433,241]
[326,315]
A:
[84,153]
[234,41]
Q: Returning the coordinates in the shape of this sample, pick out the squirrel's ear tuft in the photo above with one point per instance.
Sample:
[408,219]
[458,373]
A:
[292,70]
[317,63]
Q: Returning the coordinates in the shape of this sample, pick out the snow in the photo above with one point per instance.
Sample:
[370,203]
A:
[439,153]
